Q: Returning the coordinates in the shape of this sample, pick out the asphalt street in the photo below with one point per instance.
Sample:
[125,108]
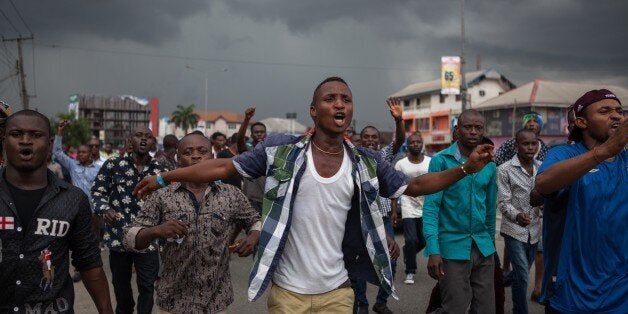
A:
[412,298]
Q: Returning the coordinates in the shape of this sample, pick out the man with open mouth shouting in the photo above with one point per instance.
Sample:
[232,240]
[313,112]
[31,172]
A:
[42,219]
[320,210]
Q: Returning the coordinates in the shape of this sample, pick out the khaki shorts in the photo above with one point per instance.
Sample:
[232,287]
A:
[282,301]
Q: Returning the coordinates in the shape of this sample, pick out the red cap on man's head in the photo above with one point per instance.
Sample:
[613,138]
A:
[593,96]
[583,102]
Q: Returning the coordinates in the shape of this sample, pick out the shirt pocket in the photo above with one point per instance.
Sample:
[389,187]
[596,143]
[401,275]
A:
[277,183]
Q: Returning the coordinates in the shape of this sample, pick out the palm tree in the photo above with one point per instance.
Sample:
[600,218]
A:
[185,117]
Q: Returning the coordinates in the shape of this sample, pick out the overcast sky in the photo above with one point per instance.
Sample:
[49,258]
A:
[276,51]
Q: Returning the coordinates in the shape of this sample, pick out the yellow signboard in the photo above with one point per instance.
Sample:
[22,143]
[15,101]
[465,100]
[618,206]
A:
[450,75]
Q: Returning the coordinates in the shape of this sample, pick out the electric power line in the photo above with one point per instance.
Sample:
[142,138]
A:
[21,18]
[309,65]
[10,23]
[189,58]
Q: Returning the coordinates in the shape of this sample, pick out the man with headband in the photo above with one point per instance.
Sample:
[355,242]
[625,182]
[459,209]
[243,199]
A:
[591,175]
[531,121]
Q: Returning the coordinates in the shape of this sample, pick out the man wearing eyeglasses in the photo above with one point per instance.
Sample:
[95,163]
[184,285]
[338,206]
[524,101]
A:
[83,171]
[94,149]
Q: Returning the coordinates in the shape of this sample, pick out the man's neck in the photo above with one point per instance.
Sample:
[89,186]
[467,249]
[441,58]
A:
[141,160]
[416,159]
[327,139]
[170,153]
[85,164]
[195,186]
[525,162]
[31,180]
[96,156]
[465,151]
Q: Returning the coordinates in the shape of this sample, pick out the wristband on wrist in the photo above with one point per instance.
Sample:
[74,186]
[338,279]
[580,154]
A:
[464,171]
[162,183]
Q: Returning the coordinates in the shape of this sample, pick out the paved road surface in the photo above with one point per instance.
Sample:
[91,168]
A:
[412,298]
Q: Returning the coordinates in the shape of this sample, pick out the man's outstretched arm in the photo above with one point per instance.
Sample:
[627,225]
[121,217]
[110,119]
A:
[204,171]
[95,282]
[435,181]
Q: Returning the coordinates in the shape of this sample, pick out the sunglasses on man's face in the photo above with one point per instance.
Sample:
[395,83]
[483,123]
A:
[93,145]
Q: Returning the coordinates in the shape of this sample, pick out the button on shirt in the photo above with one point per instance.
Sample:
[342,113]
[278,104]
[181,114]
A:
[463,213]
[82,176]
[514,185]
[60,224]
[113,189]
[195,273]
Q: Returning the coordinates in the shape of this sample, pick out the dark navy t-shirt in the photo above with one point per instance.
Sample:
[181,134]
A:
[592,274]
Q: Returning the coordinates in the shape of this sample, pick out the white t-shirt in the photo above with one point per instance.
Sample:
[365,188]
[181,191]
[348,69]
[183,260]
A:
[312,260]
[412,207]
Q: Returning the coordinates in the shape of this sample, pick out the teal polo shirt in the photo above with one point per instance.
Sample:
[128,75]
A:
[463,213]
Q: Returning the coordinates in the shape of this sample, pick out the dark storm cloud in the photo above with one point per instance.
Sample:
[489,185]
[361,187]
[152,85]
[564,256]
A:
[562,34]
[150,22]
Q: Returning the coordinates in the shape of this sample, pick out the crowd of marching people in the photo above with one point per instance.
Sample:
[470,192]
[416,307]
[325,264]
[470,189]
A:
[317,212]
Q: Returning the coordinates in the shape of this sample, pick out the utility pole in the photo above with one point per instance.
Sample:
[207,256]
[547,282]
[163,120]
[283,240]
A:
[463,80]
[20,69]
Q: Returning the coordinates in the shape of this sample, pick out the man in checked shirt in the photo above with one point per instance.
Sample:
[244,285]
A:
[521,223]
[196,220]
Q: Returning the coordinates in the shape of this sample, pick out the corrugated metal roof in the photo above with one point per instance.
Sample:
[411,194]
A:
[544,92]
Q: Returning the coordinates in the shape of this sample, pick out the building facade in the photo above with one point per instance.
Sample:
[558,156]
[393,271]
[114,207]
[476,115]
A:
[111,118]
[425,109]
[551,99]
[226,122]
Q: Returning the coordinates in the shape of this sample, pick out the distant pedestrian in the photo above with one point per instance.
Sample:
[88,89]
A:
[413,165]
[521,223]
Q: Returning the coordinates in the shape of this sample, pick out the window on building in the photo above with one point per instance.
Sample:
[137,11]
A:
[423,124]
[458,97]
[232,126]
[418,101]
[406,104]
[482,93]
[442,98]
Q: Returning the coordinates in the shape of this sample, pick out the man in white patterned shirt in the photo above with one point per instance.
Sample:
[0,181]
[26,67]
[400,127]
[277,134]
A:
[521,224]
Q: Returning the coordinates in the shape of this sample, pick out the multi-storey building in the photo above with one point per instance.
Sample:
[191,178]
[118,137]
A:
[425,109]
[112,118]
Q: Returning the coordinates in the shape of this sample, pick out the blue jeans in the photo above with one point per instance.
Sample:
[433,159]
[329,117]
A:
[359,284]
[414,242]
[521,257]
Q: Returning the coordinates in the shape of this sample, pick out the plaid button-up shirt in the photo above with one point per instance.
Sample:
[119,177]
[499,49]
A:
[282,159]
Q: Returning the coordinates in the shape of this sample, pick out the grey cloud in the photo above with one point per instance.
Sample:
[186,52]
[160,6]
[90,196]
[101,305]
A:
[150,22]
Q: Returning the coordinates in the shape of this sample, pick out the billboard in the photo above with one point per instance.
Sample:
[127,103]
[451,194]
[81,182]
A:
[450,75]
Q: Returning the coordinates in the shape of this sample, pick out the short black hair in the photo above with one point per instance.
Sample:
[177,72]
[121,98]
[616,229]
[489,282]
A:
[197,132]
[170,141]
[369,127]
[327,80]
[215,135]
[257,123]
[470,113]
[31,113]
[522,131]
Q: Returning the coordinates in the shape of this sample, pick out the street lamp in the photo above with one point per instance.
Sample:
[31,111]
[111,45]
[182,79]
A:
[206,74]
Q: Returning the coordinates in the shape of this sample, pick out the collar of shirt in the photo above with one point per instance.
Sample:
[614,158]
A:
[515,162]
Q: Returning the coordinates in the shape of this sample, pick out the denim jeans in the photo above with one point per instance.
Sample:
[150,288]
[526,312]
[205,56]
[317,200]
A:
[359,284]
[414,242]
[146,268]
[521,257]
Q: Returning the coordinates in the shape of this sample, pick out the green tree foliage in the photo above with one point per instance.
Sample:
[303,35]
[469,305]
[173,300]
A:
[185,117]
[77,132]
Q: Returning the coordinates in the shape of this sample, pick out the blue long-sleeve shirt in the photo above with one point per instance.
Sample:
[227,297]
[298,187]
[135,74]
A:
[82,176]
[461,214]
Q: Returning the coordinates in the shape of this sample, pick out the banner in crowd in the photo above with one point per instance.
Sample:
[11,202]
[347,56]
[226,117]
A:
[73,105]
